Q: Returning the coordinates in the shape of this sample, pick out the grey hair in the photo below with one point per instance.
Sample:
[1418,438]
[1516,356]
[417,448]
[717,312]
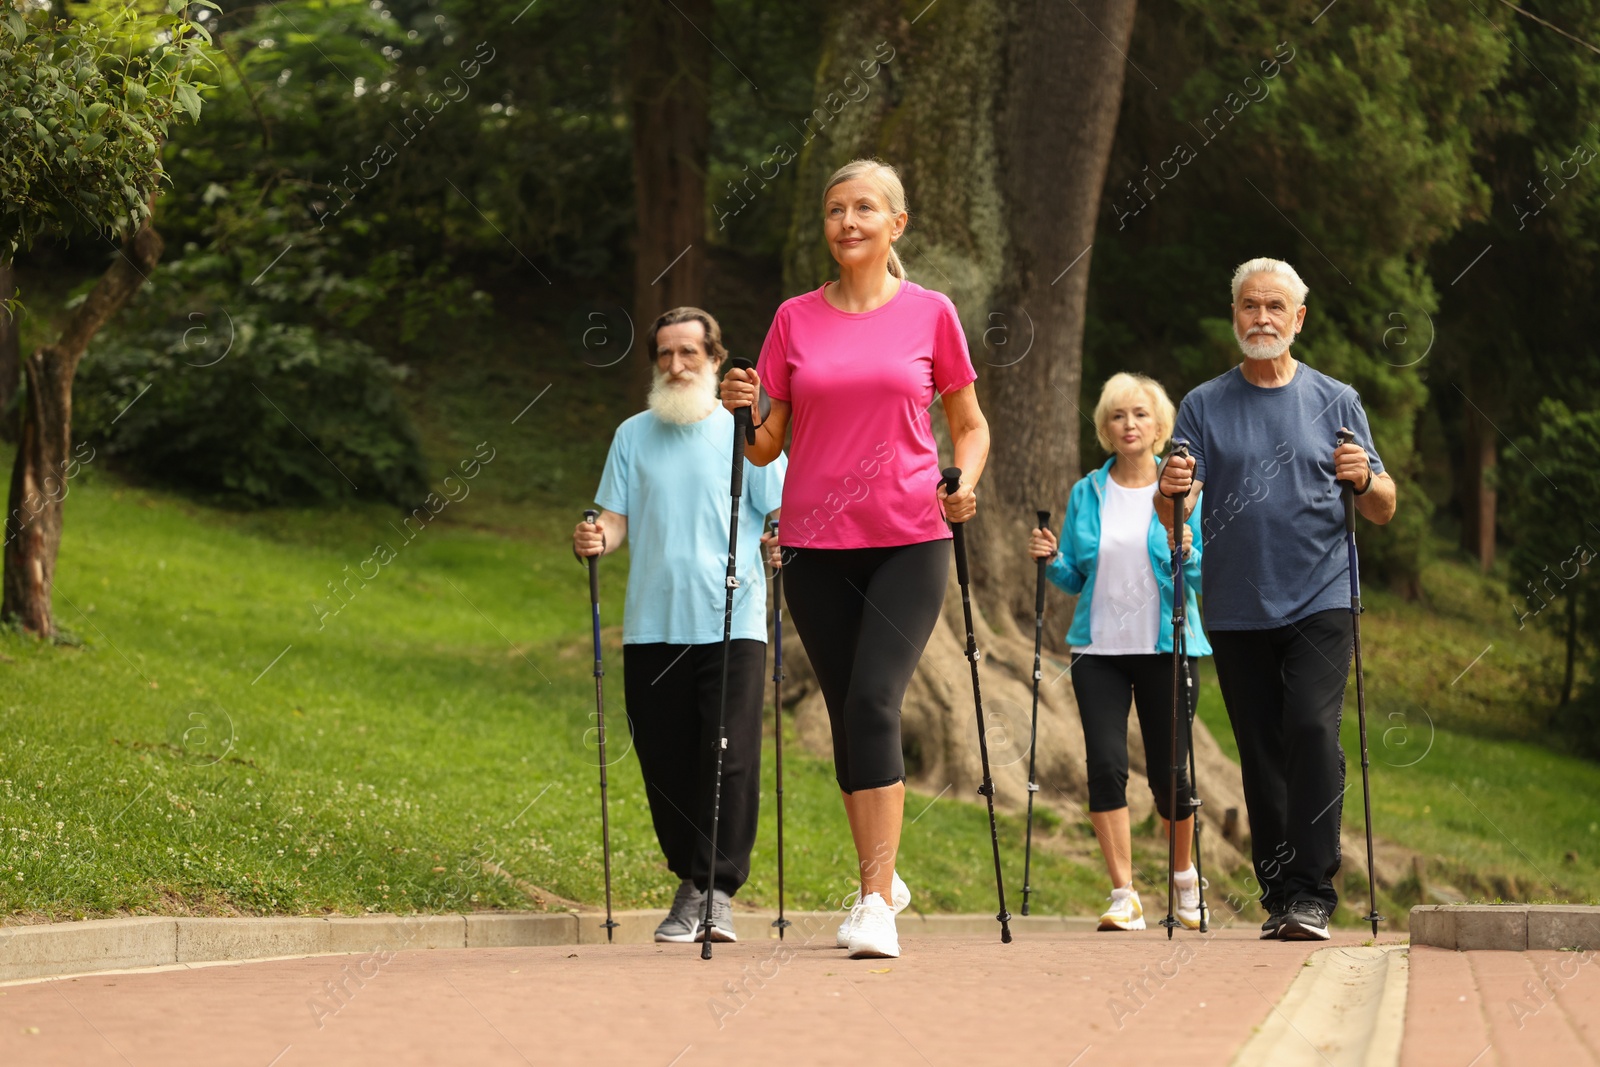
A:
[1263,265]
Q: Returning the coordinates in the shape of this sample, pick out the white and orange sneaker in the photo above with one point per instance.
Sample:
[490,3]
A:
[1125,912]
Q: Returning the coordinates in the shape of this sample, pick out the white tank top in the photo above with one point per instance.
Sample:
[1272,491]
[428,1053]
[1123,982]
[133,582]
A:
[1125,612]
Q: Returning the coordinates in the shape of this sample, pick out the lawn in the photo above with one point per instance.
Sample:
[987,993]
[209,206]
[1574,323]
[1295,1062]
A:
[239,723]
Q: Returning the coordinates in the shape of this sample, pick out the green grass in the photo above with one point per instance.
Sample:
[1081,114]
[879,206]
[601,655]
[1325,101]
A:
[439,720]
[1461,768]
[200,745]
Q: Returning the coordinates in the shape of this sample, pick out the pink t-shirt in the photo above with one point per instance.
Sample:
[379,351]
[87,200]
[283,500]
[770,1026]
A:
[863,463]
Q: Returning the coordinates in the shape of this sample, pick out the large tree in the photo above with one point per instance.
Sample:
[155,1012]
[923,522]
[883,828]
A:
[671,76]
[1000,116]
[84,108]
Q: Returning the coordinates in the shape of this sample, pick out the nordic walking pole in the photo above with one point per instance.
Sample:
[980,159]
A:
[1180,650]
[952,482]
[589,517]
[777,720]
[1194,797]
[1179,448]
[1033,737]
[1345,437]
[743,433]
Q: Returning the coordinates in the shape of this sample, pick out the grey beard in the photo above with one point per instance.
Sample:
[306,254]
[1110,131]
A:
[683,405]
[1271,348]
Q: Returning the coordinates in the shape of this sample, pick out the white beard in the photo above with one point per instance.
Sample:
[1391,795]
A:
[683,403]
[1271,346]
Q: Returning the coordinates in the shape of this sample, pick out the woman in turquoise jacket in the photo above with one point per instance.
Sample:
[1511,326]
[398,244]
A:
[1115,554]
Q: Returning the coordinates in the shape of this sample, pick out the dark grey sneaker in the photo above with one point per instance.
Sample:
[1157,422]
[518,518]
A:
[721,918]
[1307,920]
[1273,927]
[682,923]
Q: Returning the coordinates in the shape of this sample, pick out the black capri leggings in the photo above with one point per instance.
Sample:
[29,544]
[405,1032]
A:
[1104,685]
[864,615]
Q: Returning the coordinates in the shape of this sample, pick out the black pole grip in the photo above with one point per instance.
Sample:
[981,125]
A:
[742,418]
[1038,596]
[952,482]
[952,479]
[1345,437]
[591,516]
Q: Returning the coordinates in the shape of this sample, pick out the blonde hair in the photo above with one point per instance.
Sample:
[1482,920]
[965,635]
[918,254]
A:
[1118,388]
[887,181]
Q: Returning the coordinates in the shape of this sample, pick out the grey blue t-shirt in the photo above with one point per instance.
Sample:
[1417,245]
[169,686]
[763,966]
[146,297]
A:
[1271,517]
[671,482]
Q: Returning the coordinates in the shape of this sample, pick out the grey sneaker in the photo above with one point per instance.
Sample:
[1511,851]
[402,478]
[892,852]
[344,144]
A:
[721,918]
[683,921]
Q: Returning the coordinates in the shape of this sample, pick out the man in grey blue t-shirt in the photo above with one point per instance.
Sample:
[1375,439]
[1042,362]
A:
[1276,582]
[666,481]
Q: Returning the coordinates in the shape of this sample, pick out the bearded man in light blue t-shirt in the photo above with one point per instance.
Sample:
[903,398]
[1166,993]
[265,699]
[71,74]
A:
[1275,578]
[666,481]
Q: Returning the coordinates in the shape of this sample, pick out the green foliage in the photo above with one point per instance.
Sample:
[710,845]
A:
[1555,547]
[1519,313]
[84,107]
[1344,145]
[251,411]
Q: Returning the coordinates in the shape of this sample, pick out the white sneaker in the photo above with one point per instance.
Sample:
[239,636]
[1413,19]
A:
[1125,913]
[872,932]
[900,895]
[1188,909]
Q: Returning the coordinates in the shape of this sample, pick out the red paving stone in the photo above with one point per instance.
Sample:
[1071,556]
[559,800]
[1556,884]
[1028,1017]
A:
[1502,1009]
[1080,999]
[1444,1013]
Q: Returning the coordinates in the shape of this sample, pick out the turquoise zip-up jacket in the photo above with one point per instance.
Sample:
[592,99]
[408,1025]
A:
[1074,566]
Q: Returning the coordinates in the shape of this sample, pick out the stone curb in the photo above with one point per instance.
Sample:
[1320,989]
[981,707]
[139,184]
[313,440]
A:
[1509,927]
[53,949]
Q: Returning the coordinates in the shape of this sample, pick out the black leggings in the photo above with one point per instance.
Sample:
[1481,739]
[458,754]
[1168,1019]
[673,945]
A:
[864,615]
[1104,685]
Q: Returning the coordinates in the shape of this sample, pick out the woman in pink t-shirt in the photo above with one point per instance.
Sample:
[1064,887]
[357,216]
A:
[856,366]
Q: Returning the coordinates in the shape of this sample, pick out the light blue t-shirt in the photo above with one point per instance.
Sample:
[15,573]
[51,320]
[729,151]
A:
[1271,516]
[672,483]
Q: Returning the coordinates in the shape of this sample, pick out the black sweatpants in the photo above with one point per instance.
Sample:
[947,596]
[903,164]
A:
[1284,689]
[865,615]
[1103,686]
[674,693]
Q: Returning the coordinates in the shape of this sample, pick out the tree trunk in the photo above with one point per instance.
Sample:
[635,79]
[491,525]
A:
[671,136]
[1572,648]
[1478,492]
[999,115]
[44,465]
[10,348]
[1055,156]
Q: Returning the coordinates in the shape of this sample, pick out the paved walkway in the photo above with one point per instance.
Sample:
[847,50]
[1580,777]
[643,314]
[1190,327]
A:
[1059,998]
[1495,1009]
[1079,999]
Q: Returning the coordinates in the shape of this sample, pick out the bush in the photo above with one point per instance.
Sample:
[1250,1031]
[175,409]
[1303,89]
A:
[251,412]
